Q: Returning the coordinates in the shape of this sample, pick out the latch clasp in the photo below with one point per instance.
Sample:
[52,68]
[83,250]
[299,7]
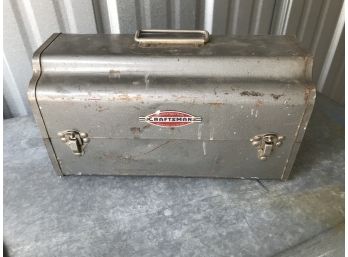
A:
[75,140]
[266,143]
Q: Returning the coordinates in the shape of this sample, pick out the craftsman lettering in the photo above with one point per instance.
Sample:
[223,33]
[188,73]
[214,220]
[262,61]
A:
[170,119]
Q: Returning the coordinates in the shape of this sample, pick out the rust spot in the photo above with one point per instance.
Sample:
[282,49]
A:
[276,97]
[135,130]
[307,94]
[114,74]
[94,98]
[124,97]
[251,93]
[308,66]
[101,108]
[146,126]
[129,98]
[258,103]
[216,104]
[226,93]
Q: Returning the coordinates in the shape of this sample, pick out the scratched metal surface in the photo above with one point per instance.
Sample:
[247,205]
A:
[240,86]
[319,26]
[46,215]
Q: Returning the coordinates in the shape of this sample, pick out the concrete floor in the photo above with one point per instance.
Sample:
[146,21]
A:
[46,215]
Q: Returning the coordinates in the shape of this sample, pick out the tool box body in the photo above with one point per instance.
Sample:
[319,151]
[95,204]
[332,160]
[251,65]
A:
[235,107]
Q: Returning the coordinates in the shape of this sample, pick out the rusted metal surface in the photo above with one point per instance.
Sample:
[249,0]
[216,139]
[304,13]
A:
[318,25]
[170,217]
[239,86]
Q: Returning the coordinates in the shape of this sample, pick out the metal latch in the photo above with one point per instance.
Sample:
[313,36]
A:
[75,140]
[266,143]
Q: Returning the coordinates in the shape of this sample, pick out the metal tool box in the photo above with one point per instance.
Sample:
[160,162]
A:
[172,103]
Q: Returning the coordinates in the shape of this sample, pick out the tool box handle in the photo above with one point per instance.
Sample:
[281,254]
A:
[171,36]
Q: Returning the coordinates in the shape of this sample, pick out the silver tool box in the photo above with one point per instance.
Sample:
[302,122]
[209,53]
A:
[172,103]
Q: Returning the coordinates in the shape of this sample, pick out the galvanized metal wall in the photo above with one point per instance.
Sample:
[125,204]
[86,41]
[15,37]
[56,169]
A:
[318,24]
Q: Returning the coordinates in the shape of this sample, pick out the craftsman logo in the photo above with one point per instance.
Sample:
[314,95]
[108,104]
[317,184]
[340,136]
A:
[170,119]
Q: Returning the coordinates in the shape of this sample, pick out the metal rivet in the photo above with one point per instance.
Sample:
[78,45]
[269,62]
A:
[83,134]
[263,158]
[64,139]
[281,138]
[279,143]
[60,134]
[85,140]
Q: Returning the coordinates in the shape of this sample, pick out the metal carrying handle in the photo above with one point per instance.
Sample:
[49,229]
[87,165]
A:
[141,38]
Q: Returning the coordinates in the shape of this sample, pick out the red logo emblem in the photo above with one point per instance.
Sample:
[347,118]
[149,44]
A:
[170,119]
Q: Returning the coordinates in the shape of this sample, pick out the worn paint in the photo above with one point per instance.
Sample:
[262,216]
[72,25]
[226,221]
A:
[251,93]
[254,112]
[94,98]
[307,93]
[211,136]
[188,86]
[276,97]
[137,130]
[157,147]
[114,74]
[258,103]
[128,98]
[147,81]
[217,104]
[199,132]
[101,108]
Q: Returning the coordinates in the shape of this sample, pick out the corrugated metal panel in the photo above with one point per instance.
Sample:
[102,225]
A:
[314,23]
[242,17]
[318,24]
[334,85]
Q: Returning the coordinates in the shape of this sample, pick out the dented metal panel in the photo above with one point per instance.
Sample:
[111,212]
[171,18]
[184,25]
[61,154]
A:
[239,87]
